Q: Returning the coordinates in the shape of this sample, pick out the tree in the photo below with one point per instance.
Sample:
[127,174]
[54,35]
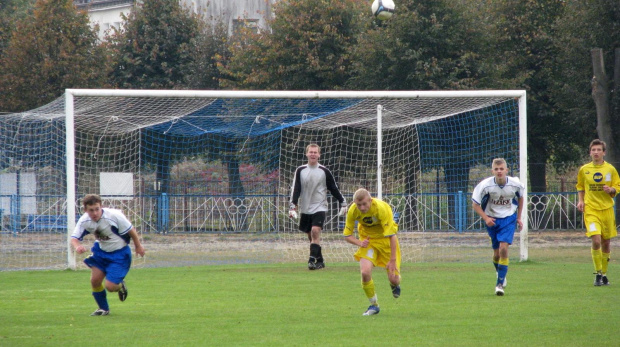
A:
[211,46]
[11,12]
[305,48]
[426,45]
[606,117]
[526,59]
[52,49]
[154,46]
[588,25]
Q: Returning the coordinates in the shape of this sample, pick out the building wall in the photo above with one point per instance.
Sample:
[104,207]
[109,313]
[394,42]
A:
[107,13]
[234,12]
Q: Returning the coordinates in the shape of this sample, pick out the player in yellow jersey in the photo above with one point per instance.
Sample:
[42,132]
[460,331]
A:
[597,185]
[378,243]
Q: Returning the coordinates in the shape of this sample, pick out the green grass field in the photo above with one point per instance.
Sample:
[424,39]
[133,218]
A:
[547,303]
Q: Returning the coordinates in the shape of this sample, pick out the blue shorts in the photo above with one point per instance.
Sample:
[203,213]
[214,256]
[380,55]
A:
[503,230]
[115,264]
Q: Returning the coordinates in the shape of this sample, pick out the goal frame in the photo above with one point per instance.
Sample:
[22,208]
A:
[70,94]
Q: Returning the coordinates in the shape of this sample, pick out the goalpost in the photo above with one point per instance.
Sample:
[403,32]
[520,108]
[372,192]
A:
[205,175]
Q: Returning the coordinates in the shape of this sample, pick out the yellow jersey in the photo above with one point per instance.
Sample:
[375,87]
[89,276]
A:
[378,222]
[591,179]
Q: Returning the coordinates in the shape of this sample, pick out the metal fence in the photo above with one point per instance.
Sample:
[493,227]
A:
[268,213]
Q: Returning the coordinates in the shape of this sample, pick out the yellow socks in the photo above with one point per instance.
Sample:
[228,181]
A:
[605,261]
[597,259]
[369,289]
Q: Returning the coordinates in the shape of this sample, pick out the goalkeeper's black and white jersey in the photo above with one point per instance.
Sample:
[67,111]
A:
[310,186]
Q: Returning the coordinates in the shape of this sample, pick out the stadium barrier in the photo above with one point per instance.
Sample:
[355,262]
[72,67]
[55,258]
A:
[260,214]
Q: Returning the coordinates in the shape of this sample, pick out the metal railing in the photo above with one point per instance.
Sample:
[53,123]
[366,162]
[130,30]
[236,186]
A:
[268,213]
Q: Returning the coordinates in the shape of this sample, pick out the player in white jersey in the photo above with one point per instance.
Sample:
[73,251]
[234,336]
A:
[111,255]
[309,197]
[498,200]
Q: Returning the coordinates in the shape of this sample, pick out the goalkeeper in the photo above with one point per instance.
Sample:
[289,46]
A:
[378,243]
[309,197]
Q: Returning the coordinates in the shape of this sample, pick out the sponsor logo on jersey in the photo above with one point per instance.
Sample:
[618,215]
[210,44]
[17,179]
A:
[501,201]
[598,177]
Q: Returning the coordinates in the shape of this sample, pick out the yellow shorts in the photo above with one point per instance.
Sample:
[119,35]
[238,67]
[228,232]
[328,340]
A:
[379,252]
[600,222]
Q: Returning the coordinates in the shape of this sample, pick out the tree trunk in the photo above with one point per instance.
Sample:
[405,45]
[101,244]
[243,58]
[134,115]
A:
[236,191]
[537,165]
[615,106]
[604,117]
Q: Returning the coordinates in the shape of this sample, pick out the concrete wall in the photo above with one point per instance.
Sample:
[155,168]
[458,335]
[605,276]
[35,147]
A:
[107,13]
[234,12]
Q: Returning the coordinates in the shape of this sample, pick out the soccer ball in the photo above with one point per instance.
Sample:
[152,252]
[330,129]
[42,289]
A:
[383,9]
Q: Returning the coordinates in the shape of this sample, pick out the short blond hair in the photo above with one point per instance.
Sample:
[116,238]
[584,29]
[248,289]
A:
[361,194]
[313,145]
[499,161]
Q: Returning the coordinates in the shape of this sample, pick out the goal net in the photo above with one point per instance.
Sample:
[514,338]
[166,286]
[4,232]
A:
[205,176]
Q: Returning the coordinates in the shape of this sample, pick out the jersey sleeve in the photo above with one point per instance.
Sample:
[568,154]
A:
[332,186]
[296,187]
[79,232]
[124,225]
[580,181]
[476,196]
[349,226]
[615,180]
[386,216]
[521,188]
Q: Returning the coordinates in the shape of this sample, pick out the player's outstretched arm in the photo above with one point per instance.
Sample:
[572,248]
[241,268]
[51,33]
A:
[391,265]
[136,242]
[520,203]
[77,245]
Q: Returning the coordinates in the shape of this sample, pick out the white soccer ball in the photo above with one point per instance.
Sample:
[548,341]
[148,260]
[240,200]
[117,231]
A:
[383,9]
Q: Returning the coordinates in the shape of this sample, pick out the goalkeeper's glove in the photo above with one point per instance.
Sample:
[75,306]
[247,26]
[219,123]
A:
[292,213]
[343,210]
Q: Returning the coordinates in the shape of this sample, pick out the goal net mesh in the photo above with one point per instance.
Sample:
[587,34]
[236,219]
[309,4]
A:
[207,180]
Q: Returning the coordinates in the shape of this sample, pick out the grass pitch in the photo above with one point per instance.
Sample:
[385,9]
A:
[546,304]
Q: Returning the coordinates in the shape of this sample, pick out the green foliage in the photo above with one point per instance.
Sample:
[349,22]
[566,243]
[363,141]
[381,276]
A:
[584,26]
[154,47]
[211,46]
[306,47]
[525,32]
[286,305]
[426,45]
[52,49]
[11,12]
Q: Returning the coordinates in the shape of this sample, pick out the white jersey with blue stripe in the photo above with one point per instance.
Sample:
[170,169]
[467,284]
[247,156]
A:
[498,201]
[111,230]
